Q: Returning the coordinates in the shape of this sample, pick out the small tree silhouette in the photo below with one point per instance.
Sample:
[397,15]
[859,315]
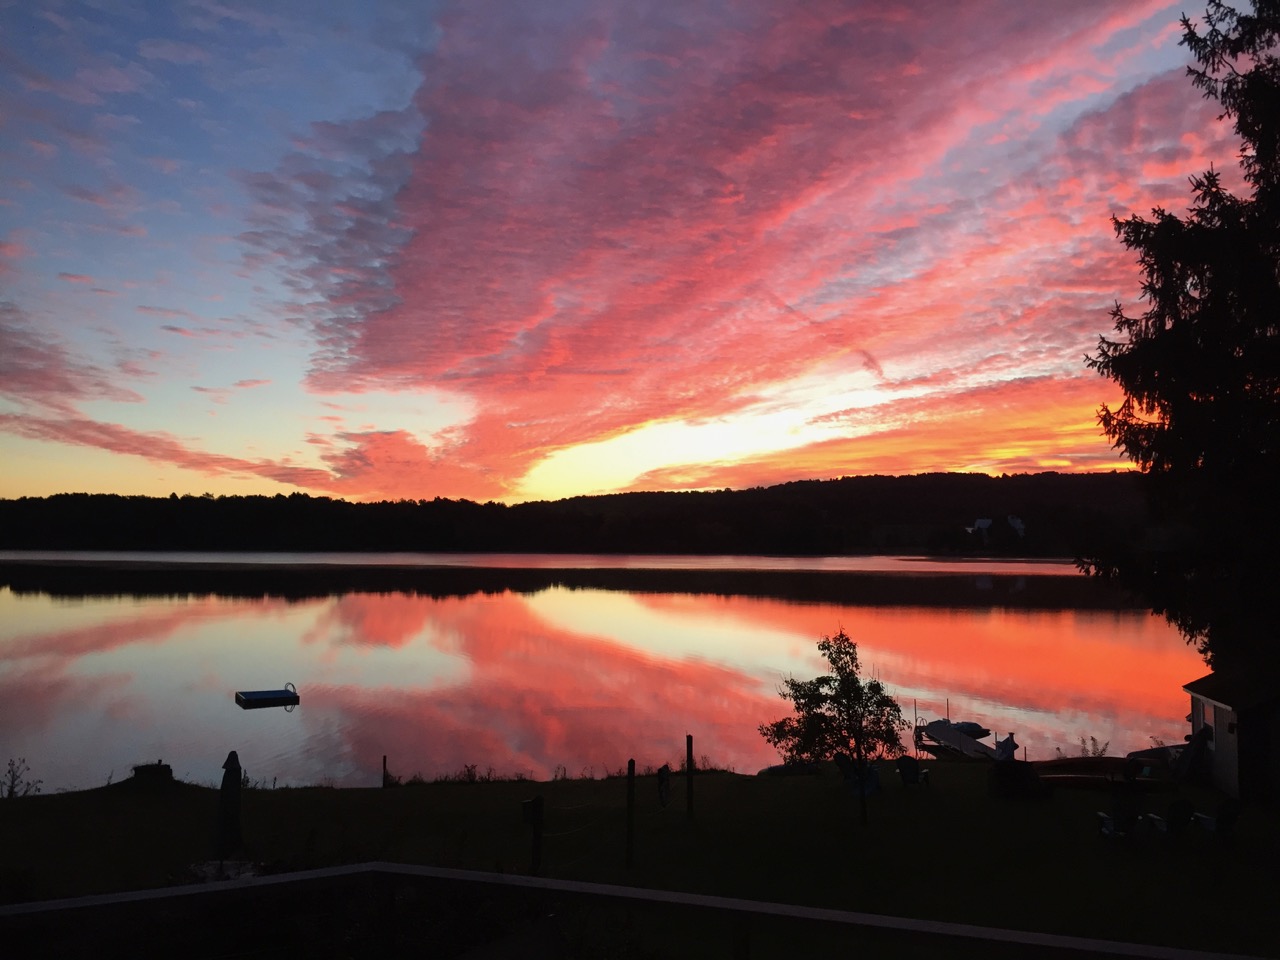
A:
[1092,748]
[15,783]
[838,713]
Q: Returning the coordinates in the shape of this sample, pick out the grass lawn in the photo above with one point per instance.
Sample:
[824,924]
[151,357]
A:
[947,850]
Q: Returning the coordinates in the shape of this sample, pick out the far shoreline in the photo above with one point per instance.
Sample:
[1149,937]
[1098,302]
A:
[138,574]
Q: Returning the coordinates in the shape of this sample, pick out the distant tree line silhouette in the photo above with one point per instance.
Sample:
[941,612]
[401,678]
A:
[1057,515]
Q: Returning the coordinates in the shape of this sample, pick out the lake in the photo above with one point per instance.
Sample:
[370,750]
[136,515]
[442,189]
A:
[539,665]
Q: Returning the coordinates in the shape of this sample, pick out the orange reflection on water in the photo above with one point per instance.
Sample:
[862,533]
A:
[540,696]
[527,683]
[1050,676]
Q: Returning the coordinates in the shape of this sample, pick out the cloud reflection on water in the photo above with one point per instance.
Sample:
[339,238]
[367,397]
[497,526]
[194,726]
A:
[526,682]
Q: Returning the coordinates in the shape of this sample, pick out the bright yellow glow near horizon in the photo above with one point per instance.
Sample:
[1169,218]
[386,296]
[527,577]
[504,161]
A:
[613,464]
[786,419]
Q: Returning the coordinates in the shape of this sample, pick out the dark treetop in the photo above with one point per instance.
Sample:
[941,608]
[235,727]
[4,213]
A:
[1200,367]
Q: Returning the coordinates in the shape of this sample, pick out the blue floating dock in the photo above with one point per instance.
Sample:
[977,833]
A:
[257,699]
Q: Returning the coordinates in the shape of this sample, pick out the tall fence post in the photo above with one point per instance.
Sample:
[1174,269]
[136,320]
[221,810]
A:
[688,773]
[631,811]
[230,839]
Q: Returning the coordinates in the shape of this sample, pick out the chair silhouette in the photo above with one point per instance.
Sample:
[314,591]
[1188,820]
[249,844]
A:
[1176,821]
[910,771]
[1223,823]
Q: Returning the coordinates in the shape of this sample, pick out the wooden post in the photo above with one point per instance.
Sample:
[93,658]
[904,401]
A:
[688,773]
[230,839]
[915,727]
[631,811]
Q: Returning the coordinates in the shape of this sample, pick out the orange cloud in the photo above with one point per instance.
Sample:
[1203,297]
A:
[1012,427]
[582,227]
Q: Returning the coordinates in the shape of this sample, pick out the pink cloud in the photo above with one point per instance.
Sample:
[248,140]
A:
[583,225]
[113,78]
[619,222]
[11,250]
[117,198]
[98,77]
[223,394]
[167,312]
[165,164]
[37,368]
[368,465]
[136,369]
[45,149]
[173,51]
[156,447]
[216,394]
[210,14]
[135,230]
[394,465]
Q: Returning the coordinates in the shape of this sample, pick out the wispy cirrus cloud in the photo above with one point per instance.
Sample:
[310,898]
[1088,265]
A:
[223,395]
[90,84]
[173,51]
[37,369]
[160,448]
[644,217]
[589,224]
[10,252]
[168,313]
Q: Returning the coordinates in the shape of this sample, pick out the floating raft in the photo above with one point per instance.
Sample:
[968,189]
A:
[257,699]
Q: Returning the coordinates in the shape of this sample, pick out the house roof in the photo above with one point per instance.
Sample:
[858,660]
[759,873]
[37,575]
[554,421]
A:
[1235,691]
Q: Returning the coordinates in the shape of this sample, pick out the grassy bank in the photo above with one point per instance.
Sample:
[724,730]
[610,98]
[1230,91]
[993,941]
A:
[945,851]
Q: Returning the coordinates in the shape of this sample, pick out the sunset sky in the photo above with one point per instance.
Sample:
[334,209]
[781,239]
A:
[526,250]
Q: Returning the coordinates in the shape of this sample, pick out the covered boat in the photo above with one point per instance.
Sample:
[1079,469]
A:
[942,738]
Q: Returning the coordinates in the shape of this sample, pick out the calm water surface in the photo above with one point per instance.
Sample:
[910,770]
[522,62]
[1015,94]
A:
[525,682]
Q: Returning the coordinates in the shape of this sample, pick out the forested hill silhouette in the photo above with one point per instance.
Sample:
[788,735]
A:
[1056,515]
